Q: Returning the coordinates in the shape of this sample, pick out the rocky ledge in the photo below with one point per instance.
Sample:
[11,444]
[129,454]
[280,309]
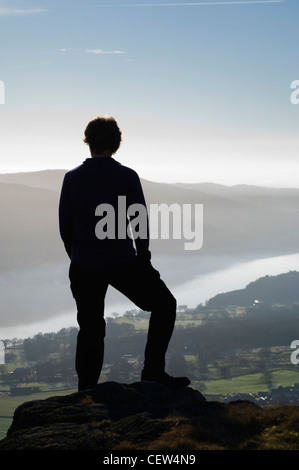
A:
[111,416]
[138,416]
[146,416]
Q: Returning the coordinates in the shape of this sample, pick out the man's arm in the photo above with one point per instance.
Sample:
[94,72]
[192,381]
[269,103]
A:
[65,216]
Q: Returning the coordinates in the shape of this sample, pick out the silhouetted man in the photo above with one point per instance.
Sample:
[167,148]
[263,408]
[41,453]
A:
[102,253]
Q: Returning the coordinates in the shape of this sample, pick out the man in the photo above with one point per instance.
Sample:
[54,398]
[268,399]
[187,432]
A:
[99,258]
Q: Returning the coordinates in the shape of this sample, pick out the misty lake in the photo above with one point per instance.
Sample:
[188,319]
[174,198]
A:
[236,276]
[44,303]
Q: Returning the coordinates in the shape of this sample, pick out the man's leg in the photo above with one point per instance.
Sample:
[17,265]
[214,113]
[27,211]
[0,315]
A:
[142,284]
[89,290]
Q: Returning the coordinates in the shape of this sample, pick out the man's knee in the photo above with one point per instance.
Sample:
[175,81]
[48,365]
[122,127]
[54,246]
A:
[93,329]
[166,303]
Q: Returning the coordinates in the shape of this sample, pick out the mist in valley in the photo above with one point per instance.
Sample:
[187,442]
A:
[242,226]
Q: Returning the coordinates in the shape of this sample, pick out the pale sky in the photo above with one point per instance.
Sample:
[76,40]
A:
[201,90]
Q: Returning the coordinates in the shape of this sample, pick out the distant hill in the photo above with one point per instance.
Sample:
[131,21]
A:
[273,289]
[46,179]
[238,221]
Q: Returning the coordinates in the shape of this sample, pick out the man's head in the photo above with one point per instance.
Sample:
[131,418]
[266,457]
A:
[103,136]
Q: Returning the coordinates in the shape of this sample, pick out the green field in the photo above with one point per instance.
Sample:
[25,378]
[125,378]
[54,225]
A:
[139,323]
[251,383]
[9,404]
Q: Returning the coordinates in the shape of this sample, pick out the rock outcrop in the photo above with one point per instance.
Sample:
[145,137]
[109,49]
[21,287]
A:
[103,418]
[145,417]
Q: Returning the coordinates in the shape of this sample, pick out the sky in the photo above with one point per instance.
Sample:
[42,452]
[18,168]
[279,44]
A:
[201,90]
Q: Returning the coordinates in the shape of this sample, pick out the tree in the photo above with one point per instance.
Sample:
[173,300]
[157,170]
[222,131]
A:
[177,364]
[2,369]
[120,371]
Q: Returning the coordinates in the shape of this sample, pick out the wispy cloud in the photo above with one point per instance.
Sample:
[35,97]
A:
[186,4]
[20,12]
[100,51]
[92,51]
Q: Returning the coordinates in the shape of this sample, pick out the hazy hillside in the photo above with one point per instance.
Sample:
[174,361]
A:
[283,288]
[237,220]
[240,224]
[28,230]
[47,179]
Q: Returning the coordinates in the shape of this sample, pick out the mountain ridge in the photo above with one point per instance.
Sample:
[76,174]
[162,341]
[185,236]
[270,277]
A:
[52,179]
[231,224]
[273,289]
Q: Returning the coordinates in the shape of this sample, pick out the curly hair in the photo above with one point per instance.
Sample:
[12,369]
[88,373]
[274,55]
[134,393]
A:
[102,134]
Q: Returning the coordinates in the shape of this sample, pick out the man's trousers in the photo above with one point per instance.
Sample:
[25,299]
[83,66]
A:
[140,283]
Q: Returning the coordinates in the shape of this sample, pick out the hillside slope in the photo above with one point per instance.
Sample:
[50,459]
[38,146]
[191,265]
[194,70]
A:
[257,222]
[282,288]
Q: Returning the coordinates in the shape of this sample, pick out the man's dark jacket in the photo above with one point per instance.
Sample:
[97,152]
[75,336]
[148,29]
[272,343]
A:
[98,180]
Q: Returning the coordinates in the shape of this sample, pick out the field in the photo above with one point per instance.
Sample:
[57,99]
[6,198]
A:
[8,405]
[251,383]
